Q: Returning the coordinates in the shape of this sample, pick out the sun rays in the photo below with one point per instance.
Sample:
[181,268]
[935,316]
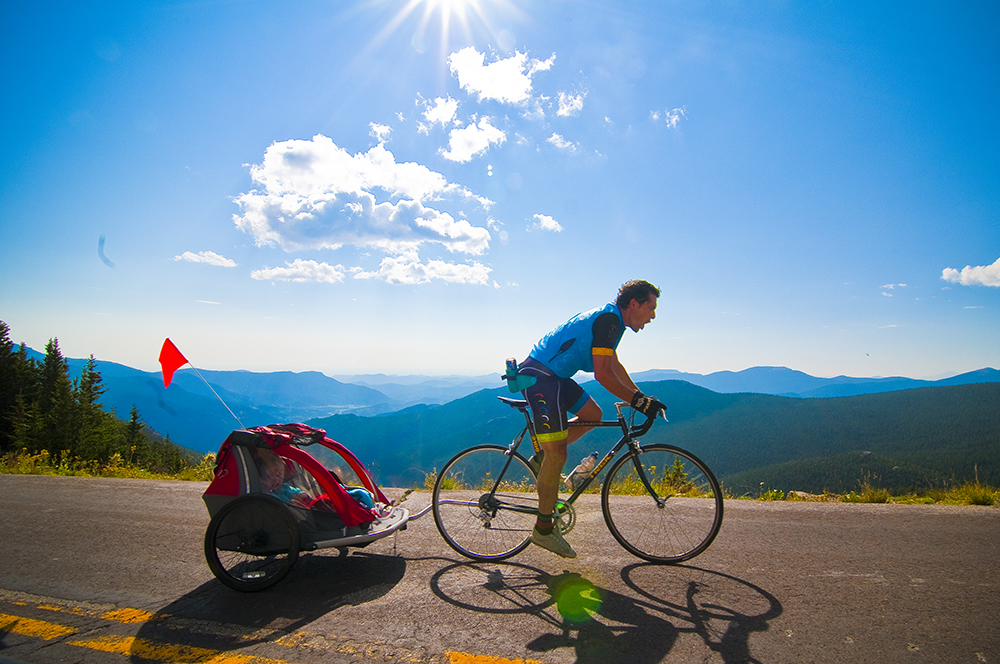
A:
[451,23]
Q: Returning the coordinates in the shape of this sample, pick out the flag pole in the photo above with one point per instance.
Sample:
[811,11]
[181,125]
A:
[217,395]
[171,359]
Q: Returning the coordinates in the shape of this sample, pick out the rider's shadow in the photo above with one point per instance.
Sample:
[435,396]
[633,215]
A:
[638,635]
[606,626]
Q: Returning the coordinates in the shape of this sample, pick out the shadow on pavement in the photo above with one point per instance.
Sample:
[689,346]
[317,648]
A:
[601,625]
[318,584]
[722,609]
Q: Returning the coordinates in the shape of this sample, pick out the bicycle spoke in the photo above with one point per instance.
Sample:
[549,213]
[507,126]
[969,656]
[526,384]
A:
[688,520]
[477,522]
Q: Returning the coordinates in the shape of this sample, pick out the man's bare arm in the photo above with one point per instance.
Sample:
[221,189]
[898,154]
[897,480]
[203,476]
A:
[610,373]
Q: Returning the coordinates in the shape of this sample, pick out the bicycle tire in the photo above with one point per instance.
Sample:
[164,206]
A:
[680,529]
[475,522]
[252,543]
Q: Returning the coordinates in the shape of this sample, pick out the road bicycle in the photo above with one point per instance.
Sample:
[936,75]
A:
[660,502]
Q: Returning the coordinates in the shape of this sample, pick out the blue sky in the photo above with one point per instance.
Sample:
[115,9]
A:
[404,186]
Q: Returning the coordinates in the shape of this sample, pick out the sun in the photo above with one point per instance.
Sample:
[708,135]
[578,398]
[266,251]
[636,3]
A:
[452,23]
[446,16]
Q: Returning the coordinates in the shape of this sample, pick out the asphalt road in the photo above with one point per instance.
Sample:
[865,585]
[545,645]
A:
[113,570]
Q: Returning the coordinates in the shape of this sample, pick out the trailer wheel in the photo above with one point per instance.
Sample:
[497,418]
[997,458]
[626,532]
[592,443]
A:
[252,543]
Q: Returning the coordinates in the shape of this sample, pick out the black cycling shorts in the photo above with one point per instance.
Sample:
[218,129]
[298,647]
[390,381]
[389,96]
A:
[552,400]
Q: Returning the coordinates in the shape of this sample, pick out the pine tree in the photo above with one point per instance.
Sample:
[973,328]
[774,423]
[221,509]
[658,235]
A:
[56,403]
[25,423]
[8,388]
[136,443]
[91,432]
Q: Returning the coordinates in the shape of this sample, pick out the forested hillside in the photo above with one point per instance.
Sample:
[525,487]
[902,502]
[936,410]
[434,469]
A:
[911,438]
[907,439]
[43,411]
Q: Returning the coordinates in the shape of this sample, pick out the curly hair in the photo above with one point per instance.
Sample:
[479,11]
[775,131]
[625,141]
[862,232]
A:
[636,289]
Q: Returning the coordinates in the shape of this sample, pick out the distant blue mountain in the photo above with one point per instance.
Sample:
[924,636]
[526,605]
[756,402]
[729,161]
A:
[413,390]
[781,381]
[194,417]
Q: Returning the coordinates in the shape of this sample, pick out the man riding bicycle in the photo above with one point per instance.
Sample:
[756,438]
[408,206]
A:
[586,342]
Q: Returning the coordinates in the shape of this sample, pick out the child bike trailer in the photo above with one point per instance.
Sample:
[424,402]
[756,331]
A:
[271,499]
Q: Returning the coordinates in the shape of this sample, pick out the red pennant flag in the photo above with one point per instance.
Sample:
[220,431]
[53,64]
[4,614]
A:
[171,360]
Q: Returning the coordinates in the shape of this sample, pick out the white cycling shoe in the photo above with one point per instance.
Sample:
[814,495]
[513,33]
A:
[553,542]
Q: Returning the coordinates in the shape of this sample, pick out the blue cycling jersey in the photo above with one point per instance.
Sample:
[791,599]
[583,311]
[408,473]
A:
[571,346]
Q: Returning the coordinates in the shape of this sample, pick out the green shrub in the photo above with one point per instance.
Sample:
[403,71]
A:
[976,494]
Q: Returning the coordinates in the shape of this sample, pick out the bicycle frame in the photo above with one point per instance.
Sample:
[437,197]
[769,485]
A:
[630,434]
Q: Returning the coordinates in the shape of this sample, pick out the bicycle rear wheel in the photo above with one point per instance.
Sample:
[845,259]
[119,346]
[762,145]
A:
[477,521]
[679,528]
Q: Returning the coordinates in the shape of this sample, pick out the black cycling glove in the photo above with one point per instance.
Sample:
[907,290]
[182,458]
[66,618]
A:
[648,406]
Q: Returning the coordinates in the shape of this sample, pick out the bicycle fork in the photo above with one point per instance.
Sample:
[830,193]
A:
[641,472]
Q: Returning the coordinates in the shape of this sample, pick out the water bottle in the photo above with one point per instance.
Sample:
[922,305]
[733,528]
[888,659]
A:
[580,472]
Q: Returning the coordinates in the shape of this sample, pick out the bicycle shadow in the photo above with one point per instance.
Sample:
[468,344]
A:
[317,584]
[602,625]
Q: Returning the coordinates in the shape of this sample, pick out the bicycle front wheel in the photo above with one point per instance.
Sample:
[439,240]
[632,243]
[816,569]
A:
[676,524]
[479,517]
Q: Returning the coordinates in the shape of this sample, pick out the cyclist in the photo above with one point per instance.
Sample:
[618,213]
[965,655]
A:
[586,342]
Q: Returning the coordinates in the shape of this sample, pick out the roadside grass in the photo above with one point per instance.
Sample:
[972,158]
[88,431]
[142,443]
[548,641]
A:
[43,463]
[968,493]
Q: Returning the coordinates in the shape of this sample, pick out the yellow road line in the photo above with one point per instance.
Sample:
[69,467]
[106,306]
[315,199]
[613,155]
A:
[30,627]
[168,652]
[466,658]
[182,654]
[129,616]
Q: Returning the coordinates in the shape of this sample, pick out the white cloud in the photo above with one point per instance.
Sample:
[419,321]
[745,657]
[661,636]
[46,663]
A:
[981,275]
[315,195]
[442,111]
[672,117]
[534,110]
[379,132]
[547,223]
[302,271]
[408,269]
[207,257]
[562,143]
[474,139]
[506,80]
[570,104]
[886,288]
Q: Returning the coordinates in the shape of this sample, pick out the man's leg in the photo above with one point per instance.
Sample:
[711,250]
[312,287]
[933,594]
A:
[555,456]
[549,476]
[545,534]
[590,412]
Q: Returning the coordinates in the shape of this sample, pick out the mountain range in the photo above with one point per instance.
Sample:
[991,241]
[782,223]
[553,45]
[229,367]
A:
[908,439]
[781,381]
[195,418]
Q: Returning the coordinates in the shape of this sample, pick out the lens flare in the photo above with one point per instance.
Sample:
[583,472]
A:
[577,599]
